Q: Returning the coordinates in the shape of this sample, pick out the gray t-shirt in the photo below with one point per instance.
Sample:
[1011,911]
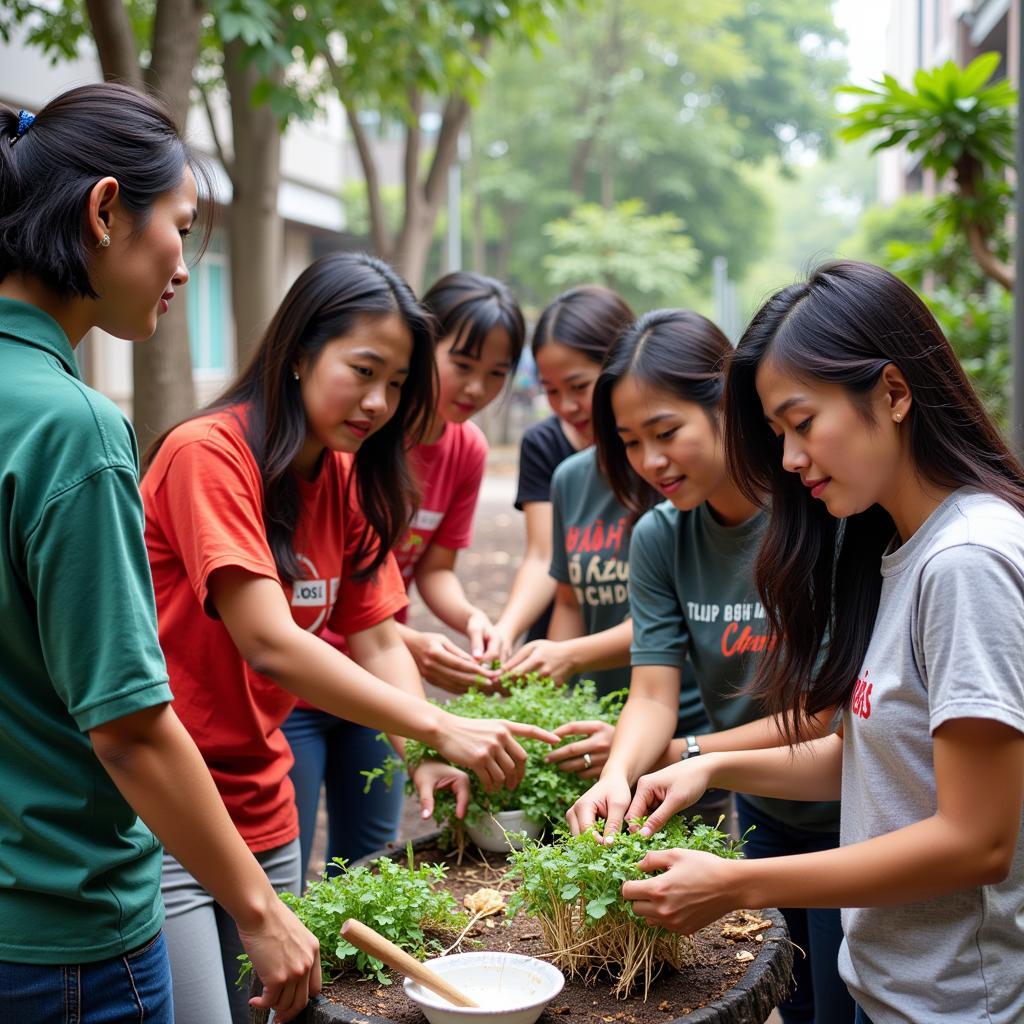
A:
[948,643]
[692,592]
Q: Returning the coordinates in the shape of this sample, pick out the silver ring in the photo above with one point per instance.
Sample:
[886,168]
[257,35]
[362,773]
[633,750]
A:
[586,761]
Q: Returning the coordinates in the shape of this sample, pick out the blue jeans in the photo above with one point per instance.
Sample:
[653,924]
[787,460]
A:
[125,989]
[862,1017]
[820,994]
[333,752]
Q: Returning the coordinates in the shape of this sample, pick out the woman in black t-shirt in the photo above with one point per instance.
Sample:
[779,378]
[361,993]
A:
[569,343]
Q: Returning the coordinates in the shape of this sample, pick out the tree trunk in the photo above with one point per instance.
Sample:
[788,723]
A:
[163,391]
[968,170]
[256,240]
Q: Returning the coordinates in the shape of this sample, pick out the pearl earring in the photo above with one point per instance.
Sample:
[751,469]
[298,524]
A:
[295,374]
[898,417]
[105,241]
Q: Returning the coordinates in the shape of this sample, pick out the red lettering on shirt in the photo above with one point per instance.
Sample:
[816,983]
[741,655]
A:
[747,642]
[861,704]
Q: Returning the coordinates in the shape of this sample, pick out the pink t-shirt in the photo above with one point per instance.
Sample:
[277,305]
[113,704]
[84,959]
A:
[449,473]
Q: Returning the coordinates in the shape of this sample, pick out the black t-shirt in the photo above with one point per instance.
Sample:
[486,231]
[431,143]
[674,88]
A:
[543,449]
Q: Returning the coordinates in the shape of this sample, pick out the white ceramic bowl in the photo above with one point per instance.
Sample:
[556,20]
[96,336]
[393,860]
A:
[509,987]
[489,833]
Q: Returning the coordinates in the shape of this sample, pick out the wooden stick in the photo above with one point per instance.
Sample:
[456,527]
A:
[369,941]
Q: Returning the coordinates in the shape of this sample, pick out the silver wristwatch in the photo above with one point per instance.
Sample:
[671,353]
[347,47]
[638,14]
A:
[692,748]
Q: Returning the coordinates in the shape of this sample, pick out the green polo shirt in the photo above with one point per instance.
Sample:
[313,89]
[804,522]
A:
[79,872]
[691,590]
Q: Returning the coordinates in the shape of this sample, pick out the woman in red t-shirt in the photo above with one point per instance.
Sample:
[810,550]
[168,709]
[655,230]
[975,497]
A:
[480,338]
[262,531]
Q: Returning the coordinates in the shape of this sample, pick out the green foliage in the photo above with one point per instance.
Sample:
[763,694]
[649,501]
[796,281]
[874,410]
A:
[580,870]
[546,792]
[645,257]
[952,114]
[667,101]
[574,888]
[406,905]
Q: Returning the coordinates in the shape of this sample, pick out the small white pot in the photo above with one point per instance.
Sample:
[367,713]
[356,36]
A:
[498,832]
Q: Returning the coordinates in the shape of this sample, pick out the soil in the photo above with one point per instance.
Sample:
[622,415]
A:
[719,963]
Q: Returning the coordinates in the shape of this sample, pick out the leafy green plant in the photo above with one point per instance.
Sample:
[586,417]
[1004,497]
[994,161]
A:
[960,123]
[573,887]
[403,903]
[546,792]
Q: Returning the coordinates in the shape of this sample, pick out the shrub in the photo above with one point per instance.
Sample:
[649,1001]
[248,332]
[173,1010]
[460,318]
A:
[404,904]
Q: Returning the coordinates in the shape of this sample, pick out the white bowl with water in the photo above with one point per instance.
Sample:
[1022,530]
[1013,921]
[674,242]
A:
[509,988]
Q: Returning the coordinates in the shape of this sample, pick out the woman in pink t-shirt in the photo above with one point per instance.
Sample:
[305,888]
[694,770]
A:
[481,334]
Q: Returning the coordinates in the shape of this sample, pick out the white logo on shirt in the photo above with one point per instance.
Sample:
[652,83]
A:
[315,593]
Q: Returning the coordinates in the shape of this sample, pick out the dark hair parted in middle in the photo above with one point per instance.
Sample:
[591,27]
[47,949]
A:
[818,577]
[47,173]
[672,350]
[588,318]
[324,303]
[470,306]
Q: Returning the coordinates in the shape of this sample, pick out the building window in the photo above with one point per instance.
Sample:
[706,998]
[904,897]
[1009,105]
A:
[209,311]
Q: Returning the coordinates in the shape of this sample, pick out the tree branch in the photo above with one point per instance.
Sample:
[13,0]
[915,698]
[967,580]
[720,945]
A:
[413,140]
[226,162]
[456,110]
[115,43]
[968,170]
[380,231]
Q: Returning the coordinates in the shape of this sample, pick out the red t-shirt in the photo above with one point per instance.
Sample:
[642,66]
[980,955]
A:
[204,511]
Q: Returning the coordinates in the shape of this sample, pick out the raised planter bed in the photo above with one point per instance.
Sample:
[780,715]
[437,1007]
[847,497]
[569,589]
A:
[675,998]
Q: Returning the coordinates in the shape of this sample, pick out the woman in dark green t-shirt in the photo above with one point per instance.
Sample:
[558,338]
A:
[657,425]
[97,193]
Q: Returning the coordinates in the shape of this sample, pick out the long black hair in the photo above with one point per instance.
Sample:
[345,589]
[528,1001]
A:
[587,318]
[673,350]
[324,303]
[469,306]
[818,577]
[49,164]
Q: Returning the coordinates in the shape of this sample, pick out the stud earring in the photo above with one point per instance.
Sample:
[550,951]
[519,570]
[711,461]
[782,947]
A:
[898,417]
[295,374]
[105,241]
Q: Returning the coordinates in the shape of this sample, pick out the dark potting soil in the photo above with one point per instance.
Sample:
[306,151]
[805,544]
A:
[719,963]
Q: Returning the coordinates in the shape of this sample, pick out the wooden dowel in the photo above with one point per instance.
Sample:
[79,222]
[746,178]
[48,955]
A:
[369,941]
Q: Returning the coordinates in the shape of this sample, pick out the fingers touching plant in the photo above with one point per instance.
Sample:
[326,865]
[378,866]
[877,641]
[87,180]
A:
[546,791]
[573,887]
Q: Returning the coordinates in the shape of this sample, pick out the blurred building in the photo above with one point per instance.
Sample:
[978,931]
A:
[924,33]
[318,162]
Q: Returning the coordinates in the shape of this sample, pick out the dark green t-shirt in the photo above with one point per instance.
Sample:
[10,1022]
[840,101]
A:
[692,592]
[79,872]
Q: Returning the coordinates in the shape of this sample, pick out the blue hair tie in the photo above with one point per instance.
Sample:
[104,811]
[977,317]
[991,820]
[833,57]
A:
[25,120]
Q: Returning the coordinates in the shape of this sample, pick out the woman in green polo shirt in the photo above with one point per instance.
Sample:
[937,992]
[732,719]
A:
[657,418]
[97,193]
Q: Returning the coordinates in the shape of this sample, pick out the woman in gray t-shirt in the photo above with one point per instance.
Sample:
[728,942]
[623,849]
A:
[896,529]
[657,412]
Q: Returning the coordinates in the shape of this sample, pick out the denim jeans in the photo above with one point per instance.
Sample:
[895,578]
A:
[332,752]
[125,989]
[862,1017]
[820,995]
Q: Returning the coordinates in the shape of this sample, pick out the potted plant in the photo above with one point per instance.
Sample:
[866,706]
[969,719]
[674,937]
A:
[546,791]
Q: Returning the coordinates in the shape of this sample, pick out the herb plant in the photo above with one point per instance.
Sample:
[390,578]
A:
[573,887]
[404,904]
[546,792]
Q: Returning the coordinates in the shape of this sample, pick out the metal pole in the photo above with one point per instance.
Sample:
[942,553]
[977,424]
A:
[1017,355]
